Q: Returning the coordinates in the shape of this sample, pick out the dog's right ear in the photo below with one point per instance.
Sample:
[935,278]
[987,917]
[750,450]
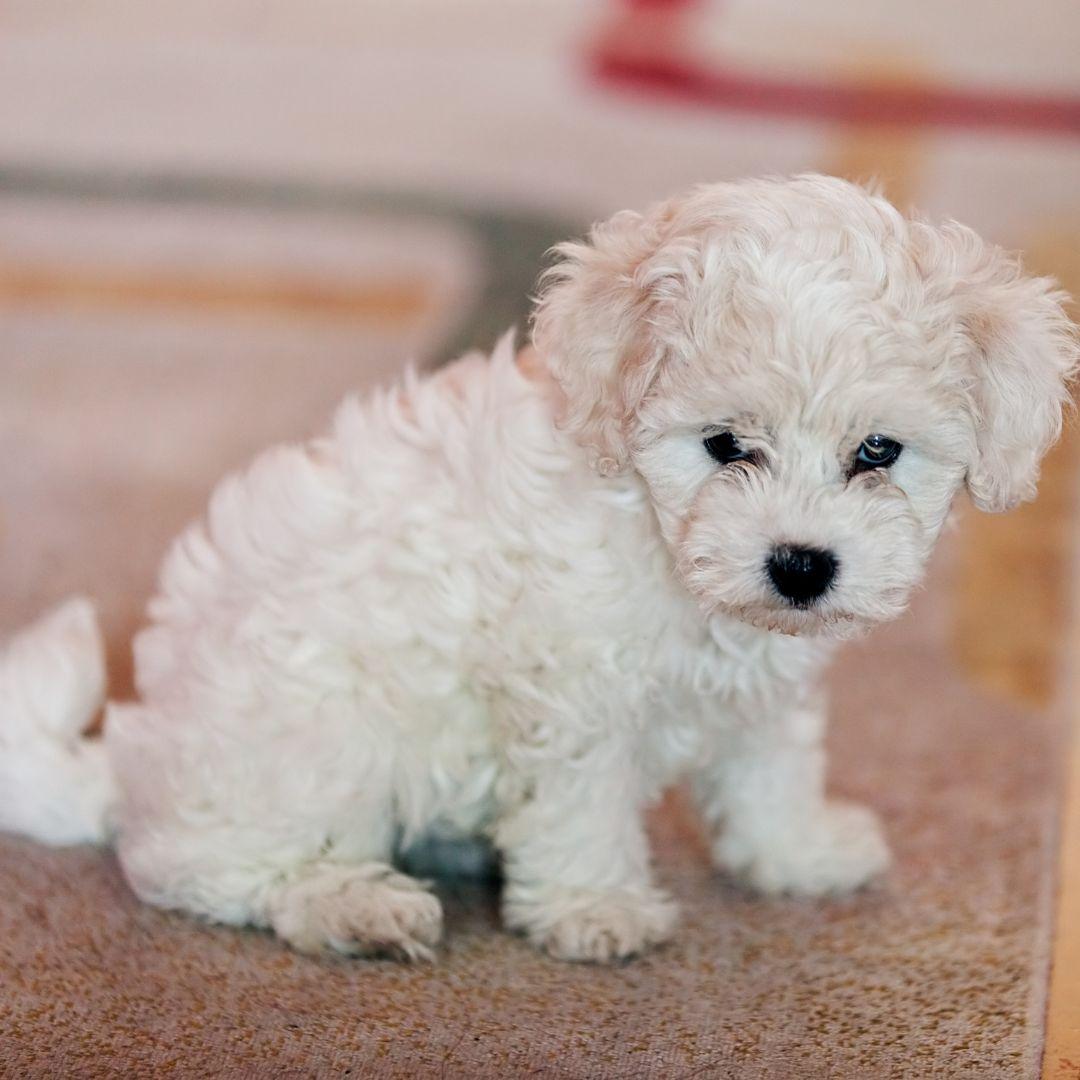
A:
[595,327]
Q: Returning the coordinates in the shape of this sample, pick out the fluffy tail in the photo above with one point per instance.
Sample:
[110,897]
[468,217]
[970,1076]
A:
[55,783]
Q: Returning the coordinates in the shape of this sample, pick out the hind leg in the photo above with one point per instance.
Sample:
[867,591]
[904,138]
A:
[290,833]
[364,910]
[338,901]
[359,908]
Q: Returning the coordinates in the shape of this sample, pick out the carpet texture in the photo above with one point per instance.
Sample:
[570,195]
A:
[938,972]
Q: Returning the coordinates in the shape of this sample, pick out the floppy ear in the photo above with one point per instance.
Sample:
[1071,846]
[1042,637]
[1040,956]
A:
[595,325]
[1020,350]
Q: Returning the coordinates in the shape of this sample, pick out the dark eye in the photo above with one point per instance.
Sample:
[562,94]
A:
[875,452]
[725,448]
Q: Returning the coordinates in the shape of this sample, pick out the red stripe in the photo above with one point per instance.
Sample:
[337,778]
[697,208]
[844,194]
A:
[653,5]
[672,78]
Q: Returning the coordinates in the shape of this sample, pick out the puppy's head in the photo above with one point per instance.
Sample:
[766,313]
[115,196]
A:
[803,379]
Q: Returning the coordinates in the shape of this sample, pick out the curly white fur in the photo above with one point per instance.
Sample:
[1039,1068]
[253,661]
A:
[518,597]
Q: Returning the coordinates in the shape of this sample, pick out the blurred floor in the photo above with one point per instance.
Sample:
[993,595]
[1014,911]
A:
[217,218]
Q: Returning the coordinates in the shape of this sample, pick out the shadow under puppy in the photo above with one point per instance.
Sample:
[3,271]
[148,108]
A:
[520,596]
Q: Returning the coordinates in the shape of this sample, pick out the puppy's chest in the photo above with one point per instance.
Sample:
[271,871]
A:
[709,686]
[725,671]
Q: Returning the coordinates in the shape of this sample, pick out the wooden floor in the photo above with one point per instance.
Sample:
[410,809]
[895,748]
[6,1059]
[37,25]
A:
[1061,1059]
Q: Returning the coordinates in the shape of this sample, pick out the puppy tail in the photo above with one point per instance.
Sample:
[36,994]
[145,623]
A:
[55,782]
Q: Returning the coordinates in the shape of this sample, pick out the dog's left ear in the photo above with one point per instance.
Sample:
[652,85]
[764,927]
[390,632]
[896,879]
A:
[1019,349]
[596,325]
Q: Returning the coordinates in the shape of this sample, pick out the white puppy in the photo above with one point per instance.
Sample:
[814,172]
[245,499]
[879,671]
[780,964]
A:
[519,597]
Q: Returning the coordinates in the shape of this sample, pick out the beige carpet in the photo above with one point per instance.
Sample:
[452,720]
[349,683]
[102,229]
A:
[940,972]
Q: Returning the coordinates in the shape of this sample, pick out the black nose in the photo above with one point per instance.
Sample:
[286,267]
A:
[799,574]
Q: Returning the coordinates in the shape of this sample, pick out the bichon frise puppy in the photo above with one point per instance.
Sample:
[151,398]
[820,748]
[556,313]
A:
[520,596]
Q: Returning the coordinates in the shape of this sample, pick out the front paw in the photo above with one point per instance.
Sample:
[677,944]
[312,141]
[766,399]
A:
[834,851]
[592,925]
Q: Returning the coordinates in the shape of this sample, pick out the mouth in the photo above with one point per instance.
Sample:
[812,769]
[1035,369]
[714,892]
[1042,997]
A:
[799,620]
